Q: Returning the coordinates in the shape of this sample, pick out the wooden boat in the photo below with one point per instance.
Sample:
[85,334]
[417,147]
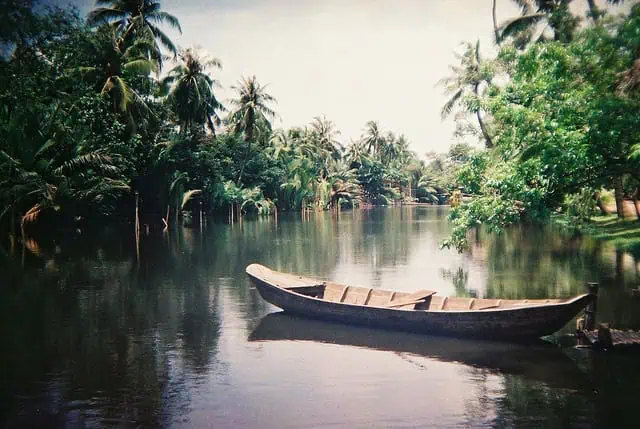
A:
[422,311]
[536,360]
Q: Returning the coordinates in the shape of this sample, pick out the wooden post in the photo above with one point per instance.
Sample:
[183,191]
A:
[137,227]
[590,310]
[200,215]
[604,336]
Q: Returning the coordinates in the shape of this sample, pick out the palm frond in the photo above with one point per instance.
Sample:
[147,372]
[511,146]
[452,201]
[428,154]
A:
[450,104]
[91,160]
[186,197]
[164,17]
[139,66]
[104,15]
[512,27]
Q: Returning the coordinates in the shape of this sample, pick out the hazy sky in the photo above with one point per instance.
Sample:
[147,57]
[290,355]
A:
[351,60]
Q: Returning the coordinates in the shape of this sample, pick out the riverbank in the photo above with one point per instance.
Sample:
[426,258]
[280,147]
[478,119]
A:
[623,234]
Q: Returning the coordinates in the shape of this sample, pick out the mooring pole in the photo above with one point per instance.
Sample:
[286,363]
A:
[590,310]
[137,227]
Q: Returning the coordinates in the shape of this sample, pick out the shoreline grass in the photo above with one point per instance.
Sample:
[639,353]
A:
[623,234]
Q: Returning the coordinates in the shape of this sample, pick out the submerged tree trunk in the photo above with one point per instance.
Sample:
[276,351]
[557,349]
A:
[619,194]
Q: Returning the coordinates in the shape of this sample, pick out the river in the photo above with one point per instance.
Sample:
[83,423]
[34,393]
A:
[91,336]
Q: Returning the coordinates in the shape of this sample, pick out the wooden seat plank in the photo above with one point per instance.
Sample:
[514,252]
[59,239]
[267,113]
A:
[412,298]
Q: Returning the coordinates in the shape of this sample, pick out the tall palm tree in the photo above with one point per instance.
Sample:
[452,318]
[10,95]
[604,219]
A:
[251,107]
[191,90]
[113,64]
[466,82]
[251,110]
[373,139]
[136,19]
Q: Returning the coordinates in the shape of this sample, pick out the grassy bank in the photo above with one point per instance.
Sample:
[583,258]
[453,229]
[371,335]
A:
[623,234]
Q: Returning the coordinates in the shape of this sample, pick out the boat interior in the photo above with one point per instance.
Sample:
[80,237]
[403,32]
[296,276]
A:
[420,300]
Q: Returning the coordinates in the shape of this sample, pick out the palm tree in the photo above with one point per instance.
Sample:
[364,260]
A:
[135,20]
[251,110]
[300,186]
[39,182]
[538,18]
[342,184]
[325,136]
[114,64]
[373,139]
[465,83]
[191,90]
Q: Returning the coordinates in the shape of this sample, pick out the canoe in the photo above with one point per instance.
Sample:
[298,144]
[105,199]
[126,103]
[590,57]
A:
[421,312]
[536,360]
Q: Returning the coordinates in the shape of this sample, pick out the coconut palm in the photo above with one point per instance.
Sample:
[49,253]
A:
[465,84]
[251,107]
[373,139]
[135,20]
[325,136]
[190,89]
[114,64]
[543,20]
[251,112]
[342,184]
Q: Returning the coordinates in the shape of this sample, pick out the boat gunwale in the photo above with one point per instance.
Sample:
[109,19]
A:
[486,310]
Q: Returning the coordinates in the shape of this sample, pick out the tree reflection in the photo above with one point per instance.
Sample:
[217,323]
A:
[90,333]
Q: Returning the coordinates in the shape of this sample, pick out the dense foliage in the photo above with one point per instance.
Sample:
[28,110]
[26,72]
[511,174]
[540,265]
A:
[565,122]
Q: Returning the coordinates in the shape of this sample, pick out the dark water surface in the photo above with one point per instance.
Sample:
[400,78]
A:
[91,338]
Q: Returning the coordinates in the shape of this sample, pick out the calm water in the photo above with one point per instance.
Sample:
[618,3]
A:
[91,338]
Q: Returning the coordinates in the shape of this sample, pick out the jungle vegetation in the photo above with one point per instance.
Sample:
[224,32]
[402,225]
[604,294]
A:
[101,112]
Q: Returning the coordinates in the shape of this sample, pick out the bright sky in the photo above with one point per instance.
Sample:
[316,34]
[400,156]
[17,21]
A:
[350,60]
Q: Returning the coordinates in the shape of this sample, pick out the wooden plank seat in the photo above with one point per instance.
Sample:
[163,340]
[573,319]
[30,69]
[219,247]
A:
[412,298]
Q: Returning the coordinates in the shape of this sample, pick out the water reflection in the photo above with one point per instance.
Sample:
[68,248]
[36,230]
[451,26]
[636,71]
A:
[92,336]
[539,360]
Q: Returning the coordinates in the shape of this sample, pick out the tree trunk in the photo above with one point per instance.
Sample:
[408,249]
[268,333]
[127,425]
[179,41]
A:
[619,194]
[137,228]
[487,140]
[600,204]
[495,22]
[593,10]
[248,137]
[636,195]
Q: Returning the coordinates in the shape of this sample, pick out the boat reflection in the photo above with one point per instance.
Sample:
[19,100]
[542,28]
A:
[539,360]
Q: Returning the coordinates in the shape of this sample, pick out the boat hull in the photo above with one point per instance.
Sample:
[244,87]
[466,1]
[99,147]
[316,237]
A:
[502,324]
